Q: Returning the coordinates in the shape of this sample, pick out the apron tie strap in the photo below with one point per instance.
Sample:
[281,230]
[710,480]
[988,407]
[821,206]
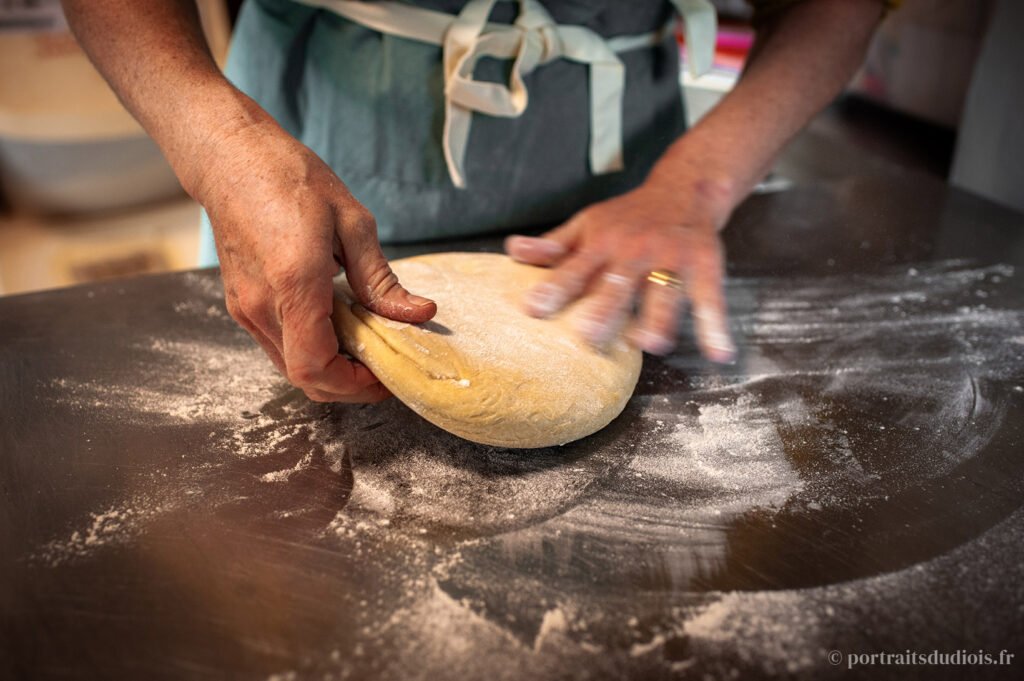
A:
[533,39]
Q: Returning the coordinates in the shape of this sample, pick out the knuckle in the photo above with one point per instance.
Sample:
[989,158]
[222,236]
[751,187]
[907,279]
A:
[619,282]
[317,396]
[635,266]
[250,301]
[303,374]
[234,308]
[287,306]
[292,274]
[298,295]
[380,280]
[357,218]
[707,255]
[243,319]
[287,279]
[249,326]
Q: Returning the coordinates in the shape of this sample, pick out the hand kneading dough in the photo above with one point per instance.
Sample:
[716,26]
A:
[482,368]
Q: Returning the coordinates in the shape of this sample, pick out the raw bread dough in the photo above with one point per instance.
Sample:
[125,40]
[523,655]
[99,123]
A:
[482,368]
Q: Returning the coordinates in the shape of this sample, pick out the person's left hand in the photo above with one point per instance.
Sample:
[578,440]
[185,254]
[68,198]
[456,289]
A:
[605,254]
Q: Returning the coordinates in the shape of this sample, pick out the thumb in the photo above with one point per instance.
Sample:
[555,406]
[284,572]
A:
[376,286]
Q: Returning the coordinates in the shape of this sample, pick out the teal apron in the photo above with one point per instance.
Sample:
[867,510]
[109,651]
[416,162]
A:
[507,125]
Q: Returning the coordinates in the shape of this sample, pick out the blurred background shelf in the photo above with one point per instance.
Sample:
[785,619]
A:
[48,252]
[84,194]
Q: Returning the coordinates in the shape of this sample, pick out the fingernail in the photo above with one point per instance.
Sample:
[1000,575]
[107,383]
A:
[651,342]
[721,341]
[534,244]
[594,329]
[419,301]
[544,300]
[726,359]
[518,247]
[549,247]
[512,242]
[722,347]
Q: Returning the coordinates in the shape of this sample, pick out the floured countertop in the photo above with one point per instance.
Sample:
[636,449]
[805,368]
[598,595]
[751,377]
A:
[169,507]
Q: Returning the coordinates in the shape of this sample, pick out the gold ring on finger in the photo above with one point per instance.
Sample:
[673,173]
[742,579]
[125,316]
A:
[666,278]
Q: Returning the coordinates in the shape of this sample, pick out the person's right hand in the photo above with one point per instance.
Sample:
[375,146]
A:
[283,223]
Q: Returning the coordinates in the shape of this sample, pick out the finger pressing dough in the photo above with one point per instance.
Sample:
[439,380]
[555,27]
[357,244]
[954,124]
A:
[482,368]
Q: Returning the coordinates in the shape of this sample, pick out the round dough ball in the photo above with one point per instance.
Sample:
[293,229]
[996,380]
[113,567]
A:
[482,368]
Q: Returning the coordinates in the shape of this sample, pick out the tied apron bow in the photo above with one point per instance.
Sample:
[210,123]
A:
[533,39]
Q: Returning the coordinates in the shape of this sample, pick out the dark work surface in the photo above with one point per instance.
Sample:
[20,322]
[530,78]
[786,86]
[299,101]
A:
[170,509]
[859,132]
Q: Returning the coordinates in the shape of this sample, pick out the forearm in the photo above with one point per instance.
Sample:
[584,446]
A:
[800,62]
[154,56]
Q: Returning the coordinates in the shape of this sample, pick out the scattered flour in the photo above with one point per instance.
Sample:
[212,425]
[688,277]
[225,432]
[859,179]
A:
[284,474]
[188,382]
[733,452]
[566,529]
[113,526]
[555,622]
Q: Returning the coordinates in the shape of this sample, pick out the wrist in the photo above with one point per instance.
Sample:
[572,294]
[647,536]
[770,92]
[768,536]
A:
[707,195]
[204,140]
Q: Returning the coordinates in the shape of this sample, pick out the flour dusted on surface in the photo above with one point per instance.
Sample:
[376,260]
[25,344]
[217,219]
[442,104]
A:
[184,382]
[651,549]
[733,451]
[112,526]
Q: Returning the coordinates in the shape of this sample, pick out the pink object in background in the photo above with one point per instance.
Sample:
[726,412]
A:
[732,45]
